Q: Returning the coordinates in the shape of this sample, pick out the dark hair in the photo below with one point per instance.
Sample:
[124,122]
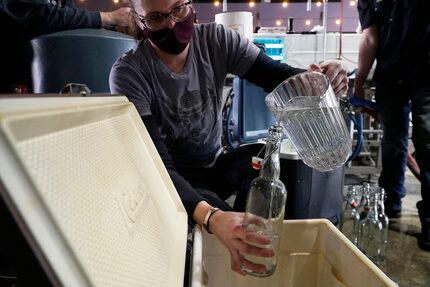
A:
[133,29]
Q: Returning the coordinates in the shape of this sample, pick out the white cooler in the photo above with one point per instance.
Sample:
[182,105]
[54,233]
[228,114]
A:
[313,253]
[90,192]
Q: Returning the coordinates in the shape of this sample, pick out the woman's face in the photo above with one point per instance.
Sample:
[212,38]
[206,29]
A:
[168,24]
[169,12]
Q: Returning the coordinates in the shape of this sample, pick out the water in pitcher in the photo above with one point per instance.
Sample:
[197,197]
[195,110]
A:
[307,107]
[319,142]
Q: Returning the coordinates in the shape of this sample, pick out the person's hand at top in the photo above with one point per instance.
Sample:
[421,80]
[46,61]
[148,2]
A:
[336,73]
[119,17]
[228,228]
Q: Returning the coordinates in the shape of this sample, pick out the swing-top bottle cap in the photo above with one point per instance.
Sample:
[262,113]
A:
[275,128]
[257,162]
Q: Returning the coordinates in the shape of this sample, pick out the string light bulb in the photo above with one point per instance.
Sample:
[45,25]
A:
[115,1]
[251,3]
[318,3]
[216,3]
[338,21]
[308,22]
[278,22]
[284,4]
[352,3]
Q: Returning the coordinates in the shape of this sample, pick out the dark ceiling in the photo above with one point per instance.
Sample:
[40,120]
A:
[246,1]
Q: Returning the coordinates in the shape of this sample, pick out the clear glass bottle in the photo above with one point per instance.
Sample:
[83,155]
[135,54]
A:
[372,230]
[361,214]
[383,218]
[265,206]
[350,214]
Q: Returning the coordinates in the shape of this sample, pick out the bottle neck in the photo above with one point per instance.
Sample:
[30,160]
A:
[381,199]
[365,196]
[375,201]
[271,166]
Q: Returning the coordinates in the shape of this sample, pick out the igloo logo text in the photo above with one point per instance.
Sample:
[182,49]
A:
[131,201]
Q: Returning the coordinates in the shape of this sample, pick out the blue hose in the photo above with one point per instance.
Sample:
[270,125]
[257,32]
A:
[358,123]
[359,102]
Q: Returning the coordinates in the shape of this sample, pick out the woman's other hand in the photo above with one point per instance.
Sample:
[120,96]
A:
[336,73]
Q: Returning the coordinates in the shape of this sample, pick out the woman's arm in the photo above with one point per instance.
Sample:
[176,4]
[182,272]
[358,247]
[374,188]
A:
[268,73]
[189,197]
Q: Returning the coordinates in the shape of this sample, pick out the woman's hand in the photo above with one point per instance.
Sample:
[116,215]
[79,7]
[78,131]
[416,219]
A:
[228,228]
[336,74]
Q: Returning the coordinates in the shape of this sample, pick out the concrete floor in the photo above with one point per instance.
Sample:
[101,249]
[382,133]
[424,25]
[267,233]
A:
[406,264]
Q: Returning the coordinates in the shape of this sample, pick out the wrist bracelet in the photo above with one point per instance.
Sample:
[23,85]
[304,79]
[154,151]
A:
[208,217]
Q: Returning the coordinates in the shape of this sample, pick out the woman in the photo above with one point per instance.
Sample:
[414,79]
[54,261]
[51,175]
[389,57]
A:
[175,79]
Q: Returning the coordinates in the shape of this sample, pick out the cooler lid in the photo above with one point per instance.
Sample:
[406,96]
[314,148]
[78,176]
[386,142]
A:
[90,192]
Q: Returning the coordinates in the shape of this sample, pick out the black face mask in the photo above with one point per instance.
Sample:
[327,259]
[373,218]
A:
[173,41]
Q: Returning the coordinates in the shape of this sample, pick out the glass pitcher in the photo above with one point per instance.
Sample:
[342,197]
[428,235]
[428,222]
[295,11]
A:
[308,109]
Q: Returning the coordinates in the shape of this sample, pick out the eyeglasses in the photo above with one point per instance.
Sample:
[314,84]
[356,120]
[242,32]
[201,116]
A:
[156,21]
